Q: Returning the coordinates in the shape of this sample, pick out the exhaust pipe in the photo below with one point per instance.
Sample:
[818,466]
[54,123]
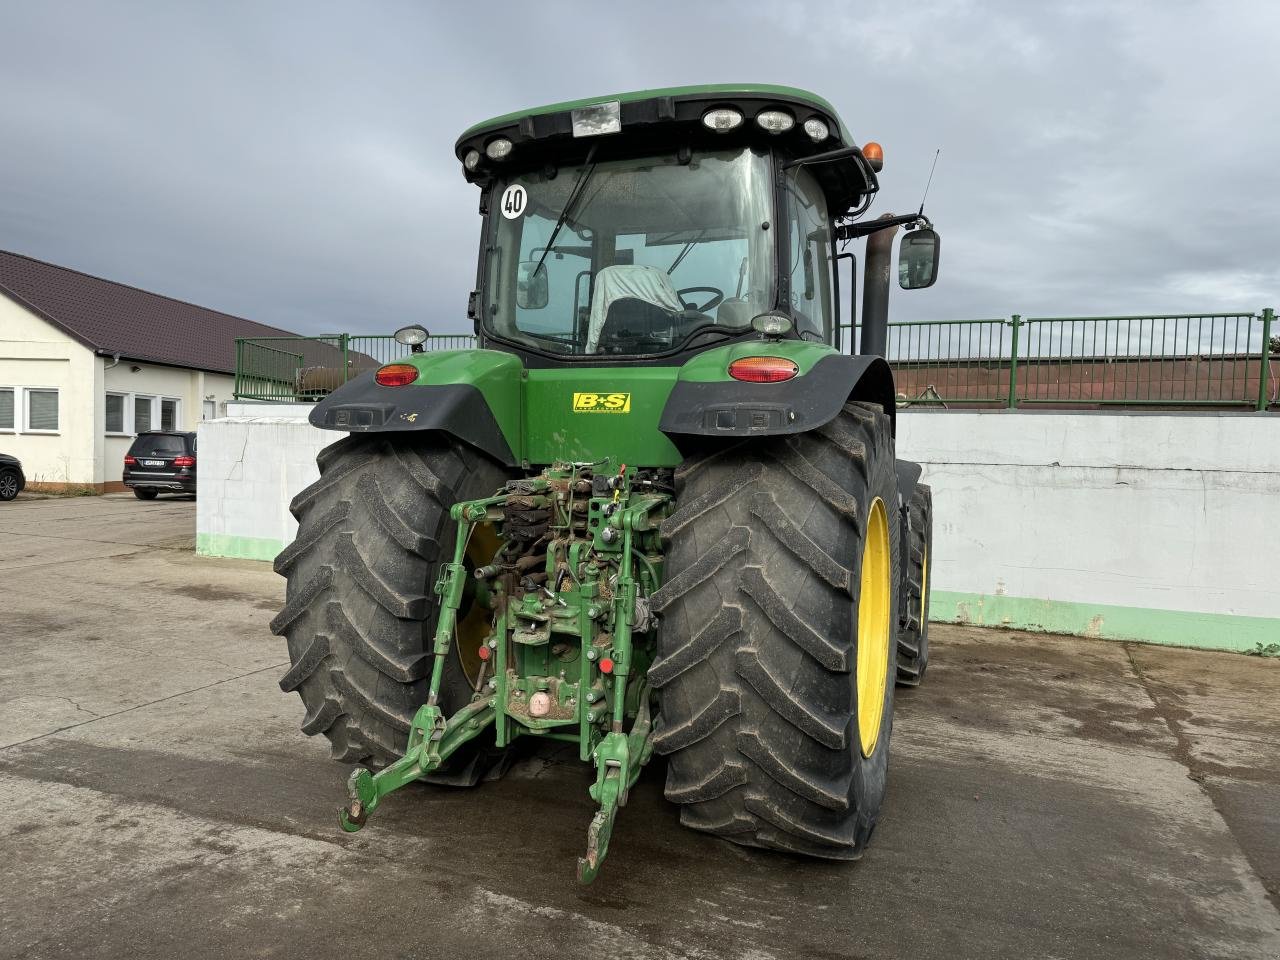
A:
[875,290]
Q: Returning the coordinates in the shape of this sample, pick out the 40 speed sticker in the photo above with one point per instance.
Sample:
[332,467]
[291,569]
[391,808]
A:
[602,403]
[514,200]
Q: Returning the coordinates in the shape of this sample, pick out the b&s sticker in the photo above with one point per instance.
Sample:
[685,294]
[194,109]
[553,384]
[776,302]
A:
[514,200]
[602,403]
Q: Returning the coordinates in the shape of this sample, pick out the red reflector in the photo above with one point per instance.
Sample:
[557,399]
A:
[184,461]
[396,374]
[484,652]
[129,461]
[763,369]
[606,665]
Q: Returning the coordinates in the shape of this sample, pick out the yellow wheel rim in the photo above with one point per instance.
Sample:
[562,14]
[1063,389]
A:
[874,602]
[474,621]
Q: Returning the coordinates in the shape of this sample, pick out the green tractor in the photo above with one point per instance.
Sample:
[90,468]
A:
[657,509]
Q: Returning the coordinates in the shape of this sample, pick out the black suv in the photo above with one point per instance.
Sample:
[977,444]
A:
[11,479]
[161,461]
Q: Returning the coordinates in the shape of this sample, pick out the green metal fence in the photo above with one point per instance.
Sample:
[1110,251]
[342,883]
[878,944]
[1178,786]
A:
[308,368]
[1175,360]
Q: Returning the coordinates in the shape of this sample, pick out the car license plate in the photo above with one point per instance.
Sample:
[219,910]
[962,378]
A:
[153,463]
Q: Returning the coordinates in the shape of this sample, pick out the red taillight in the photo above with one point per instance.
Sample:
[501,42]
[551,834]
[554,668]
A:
[763,369]
[184,461]
[129,461]
[396,374]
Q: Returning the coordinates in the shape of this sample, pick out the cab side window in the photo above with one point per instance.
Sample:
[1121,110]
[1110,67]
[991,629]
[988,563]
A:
[810,261]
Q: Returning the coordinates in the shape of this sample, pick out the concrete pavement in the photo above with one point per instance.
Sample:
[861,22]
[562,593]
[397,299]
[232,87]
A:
[1049,797]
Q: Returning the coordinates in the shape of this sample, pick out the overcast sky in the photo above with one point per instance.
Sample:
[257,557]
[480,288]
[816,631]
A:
[292,162]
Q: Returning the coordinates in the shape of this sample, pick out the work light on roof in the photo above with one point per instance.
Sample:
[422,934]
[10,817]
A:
[775,121]
[816,129]
[471,160]
[498,149]
[722,119]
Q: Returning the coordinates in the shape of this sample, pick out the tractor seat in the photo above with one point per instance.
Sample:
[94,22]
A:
[630,319]
[646,302]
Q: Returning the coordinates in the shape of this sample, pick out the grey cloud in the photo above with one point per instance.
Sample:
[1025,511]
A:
[292,162]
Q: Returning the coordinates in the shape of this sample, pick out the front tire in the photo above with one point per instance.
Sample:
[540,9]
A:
[776,651]
[360,610]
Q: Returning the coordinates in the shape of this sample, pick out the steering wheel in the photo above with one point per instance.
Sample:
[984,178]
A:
[711,304]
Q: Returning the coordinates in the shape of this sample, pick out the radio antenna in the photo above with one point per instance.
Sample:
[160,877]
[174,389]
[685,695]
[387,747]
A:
[929,182]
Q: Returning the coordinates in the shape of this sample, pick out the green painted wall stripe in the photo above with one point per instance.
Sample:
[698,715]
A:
[242,548]
[1206,631]
[1178,628]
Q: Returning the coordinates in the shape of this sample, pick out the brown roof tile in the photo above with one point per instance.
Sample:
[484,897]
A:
[112,318]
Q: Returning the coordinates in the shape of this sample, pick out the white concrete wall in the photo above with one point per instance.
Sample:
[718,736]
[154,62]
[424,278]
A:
[252,462]
[1162,528]
[1104,522]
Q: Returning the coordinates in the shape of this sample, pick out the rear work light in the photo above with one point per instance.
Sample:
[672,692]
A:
[498,149]
[775,121]
[129,461]
[396,374]
[763,369]
[184,461]
[722,119]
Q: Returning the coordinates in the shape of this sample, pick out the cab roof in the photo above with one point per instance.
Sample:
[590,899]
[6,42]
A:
[655,121]
[730,92]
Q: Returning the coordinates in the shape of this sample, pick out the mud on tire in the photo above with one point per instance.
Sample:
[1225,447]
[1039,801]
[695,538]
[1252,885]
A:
[360,610]
[757,648]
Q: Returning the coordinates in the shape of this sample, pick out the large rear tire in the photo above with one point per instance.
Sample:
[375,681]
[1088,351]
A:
[360,611]
[776,648]
[913,638]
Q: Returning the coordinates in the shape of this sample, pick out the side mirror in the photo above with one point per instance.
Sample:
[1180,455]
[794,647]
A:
[532,289]
[918,259]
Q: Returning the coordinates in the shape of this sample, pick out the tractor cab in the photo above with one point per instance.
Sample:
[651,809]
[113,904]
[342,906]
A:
[657,224]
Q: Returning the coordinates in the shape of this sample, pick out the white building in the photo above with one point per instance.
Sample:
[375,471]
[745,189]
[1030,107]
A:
[86,364]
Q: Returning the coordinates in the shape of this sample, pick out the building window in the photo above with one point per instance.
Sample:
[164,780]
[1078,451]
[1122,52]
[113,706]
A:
[6,408]
[115,413]
[210,410]
[142,414]
[168,414]
[42,411]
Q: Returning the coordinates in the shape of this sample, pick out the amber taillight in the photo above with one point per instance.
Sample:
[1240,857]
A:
[396,374]
[763,369]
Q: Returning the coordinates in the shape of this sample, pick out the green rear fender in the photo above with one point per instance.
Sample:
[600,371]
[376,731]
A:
[472,394]
[706,402]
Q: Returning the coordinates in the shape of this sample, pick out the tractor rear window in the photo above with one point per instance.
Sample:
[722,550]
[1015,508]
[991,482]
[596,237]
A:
[159,445]
[652,254]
